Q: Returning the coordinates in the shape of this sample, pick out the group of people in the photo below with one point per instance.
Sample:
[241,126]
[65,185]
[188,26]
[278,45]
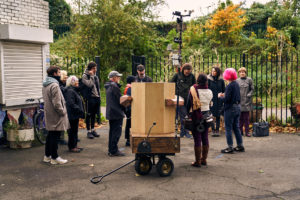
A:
[67,99]
[207,96]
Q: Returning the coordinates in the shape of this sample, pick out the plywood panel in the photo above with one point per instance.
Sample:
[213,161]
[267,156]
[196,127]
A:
[158,144]
[148,106]
[138,107]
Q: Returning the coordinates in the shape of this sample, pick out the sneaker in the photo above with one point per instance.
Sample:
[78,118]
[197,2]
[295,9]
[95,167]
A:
[95,134]
[47,159]
[216,134]
[239,149]
[90,135]
[227,150]
[75,150]
[118,153]
[248,135]
[187,135]
[127,144]
[58,160]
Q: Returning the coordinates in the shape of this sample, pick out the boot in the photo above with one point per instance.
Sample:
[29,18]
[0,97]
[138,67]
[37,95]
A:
[204,154]
[197,163]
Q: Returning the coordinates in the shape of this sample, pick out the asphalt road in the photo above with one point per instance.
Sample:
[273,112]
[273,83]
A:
[269,169]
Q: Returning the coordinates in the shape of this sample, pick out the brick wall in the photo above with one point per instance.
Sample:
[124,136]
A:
[33,13]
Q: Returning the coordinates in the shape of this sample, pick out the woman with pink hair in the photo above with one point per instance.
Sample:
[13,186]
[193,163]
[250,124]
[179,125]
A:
[232,111]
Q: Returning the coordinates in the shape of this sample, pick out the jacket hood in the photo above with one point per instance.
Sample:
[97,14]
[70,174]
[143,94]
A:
[49,80]
[108,84]
[210,77]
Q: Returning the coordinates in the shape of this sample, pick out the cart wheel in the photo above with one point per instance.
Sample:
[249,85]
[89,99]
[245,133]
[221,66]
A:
[165,167]
[143,165]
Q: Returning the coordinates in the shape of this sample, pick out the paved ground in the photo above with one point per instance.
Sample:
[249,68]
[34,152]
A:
[269,169]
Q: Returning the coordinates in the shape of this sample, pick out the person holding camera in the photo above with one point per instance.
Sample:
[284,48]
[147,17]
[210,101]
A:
[198,101]
[92,98]
[232,111]
[184,80]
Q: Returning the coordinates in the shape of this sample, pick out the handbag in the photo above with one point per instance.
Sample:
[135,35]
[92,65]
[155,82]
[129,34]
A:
[208,117]
[188,123]
[260,129]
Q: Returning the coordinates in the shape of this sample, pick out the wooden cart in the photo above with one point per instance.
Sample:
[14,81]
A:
[152,127]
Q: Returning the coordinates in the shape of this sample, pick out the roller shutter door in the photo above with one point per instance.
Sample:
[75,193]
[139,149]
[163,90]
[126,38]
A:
[23,72]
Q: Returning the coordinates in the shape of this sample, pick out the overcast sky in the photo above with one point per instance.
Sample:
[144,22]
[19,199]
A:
[200,7]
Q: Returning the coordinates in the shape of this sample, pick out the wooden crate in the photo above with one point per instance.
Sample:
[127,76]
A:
[148,106]
[159,144]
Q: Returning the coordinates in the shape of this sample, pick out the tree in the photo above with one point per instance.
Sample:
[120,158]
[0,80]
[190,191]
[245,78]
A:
[59,13]
[225,26]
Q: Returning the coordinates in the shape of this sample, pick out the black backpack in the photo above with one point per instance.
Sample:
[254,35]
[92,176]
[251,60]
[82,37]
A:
[85,91]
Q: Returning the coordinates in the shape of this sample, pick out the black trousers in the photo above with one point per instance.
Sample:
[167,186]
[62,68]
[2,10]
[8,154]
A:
[73,133]
[93,105]
[128,124]
[115,131]
[51,144]
[216,126]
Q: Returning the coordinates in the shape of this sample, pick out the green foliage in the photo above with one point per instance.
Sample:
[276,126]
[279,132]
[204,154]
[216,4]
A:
[59,12]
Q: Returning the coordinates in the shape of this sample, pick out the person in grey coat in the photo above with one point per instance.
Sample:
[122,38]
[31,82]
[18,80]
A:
[56,117]
[246,90]
[114,112]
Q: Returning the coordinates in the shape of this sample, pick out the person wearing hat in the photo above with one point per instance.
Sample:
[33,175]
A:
[232,111]
[127,91]
[246,90]
[114,112]
[142,77]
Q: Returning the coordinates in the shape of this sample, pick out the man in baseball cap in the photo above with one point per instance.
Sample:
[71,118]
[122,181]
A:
[114,112]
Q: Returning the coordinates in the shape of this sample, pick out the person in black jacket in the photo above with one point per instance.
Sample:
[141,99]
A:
[232,111]
[142,77]
[217,85]
[184,81]
[75,111]
[92,101]
[114,112]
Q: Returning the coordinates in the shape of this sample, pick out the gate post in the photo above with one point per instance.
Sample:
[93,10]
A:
[97,61]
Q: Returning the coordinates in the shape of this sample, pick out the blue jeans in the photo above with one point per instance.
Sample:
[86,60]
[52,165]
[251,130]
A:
[182,113]
[232,117]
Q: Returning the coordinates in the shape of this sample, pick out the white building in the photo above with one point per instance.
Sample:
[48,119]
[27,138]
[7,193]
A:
[24,50]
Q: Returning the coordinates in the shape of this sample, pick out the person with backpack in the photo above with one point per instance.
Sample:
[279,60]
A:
[127,91]
[184,80]
[75,111]
[199,99]
[90,91]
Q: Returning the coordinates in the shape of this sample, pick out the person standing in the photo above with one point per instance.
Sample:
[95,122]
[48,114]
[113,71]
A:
[246,90]
[232,111]
[184,80]
[142,77]
[55,112]
[62,85]
[127,91]
[217,85]
[75,111]
[199,99]
[92,100]
[114,112]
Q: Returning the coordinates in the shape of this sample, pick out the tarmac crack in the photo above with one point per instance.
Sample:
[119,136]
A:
[273,194]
